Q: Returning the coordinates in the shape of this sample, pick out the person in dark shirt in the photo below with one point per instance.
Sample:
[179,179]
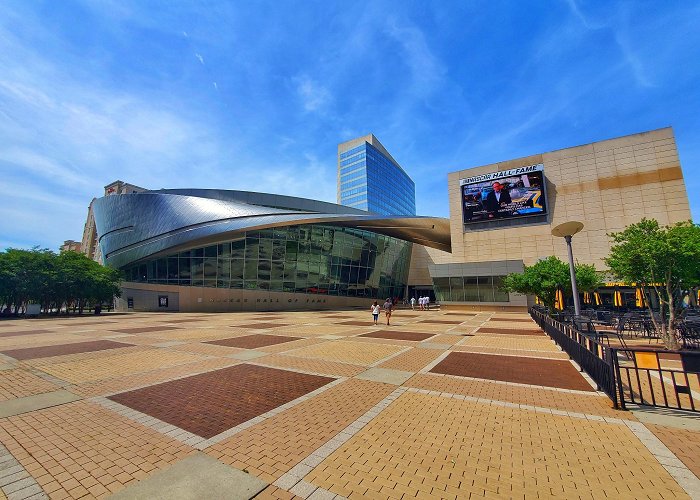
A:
[497,199]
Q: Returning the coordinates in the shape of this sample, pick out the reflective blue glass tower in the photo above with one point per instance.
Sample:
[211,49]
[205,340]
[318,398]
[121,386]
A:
[370,179]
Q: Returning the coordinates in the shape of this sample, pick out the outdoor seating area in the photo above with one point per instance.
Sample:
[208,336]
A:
[631,328]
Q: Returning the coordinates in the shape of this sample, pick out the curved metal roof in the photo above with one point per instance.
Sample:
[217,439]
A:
[131,227]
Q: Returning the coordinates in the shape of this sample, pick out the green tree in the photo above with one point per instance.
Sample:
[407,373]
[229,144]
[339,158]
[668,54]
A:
[662,259]
[546,276]
[42,276]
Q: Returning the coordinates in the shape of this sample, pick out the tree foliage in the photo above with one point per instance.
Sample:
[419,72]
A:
[664,260]
[546,276]
[56,281]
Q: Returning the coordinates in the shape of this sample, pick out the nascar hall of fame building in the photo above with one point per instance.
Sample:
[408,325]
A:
[219,250]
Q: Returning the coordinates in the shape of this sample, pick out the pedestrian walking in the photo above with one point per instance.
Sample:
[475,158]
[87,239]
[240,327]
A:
[388,308]
[375,311]
[413,303]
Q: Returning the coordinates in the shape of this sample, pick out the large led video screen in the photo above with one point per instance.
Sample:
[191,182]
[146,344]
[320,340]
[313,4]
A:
[510,194]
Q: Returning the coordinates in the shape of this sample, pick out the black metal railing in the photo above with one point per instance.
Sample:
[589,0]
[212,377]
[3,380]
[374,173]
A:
[645,380]
[596,359]
[668,379]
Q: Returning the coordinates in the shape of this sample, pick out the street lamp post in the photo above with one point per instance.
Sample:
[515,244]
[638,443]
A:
[566,231]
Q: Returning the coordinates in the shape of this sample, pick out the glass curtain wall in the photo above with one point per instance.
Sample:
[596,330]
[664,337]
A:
[302,259]
[470,289]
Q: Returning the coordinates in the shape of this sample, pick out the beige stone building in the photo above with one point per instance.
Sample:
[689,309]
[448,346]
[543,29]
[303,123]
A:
[606,185]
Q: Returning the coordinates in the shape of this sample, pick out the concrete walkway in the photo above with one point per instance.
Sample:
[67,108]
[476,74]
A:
[440,404]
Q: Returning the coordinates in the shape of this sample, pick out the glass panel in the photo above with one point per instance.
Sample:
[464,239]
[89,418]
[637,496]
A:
[278,247]
[471,289]
[224,270]
[251,269]
[486,289]
[185,271]
[238,249]
[237,269]
[172,268]
[265,249]
[224,250]
[251,248]
[456,289]
[197,268]
[210,268]
[498,294]
[277,271]
[162,269]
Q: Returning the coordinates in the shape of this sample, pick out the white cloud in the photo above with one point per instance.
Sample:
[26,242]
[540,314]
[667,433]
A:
[199,57]
[314,96]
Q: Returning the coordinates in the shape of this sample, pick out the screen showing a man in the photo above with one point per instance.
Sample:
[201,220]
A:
[511,194]
[498,200]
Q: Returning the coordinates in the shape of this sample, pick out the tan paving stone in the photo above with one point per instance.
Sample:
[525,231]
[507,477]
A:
[685,444]
[116,365]
[127,382]
[511,352]
[516,343]
[490,450]
[271,448]
[593,404]
[311,365]
[67,442]
[18,383]
[358,353]
[414,360]
[38,340]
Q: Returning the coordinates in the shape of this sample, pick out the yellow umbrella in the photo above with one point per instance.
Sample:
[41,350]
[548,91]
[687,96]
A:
[639,298]
[617,299]
[538,301]
[559,300]
[598,300]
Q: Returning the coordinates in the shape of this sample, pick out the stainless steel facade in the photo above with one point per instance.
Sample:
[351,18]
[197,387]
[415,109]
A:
[139,232]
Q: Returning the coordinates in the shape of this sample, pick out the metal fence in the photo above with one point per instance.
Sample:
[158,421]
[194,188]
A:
[597,360]
[668,379]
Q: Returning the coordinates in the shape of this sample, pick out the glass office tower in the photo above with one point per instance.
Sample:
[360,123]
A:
[370,179]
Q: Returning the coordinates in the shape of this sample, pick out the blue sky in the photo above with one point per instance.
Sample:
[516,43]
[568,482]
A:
[257,95]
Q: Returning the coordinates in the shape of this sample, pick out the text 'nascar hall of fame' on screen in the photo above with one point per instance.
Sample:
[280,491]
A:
[514,193]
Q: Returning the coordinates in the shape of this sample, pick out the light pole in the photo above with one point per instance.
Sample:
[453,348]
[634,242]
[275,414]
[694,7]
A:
[566,231]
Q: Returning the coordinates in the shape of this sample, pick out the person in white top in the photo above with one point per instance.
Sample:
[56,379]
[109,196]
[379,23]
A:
[375,311]
[413,302]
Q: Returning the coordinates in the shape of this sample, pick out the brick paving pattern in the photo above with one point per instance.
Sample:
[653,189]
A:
[88,370]
[276,445]
[398,335]
[685,444]
[210,403]
[311,365]
[63,349]
[18,333]
[521,370]
[144,329]
[253,341]
[510,331]
[261,326]
[80,449]
[349,352]
[442,322]
[20,383]
[437,447]
[328,401]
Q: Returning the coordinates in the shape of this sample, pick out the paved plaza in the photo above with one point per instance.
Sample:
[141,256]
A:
[320,405]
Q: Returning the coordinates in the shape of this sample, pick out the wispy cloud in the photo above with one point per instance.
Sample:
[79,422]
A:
[314,96]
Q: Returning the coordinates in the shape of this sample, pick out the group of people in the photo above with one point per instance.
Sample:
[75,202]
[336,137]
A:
[423,303]
[388,307]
